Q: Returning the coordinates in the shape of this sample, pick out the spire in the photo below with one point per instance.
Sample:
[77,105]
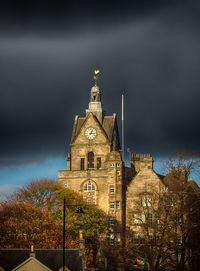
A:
[95,99]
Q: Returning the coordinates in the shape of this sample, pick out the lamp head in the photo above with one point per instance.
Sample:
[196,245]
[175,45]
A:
[79,210]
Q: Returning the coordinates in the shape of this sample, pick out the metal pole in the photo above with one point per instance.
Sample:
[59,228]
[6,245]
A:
[123,127]
[64,209]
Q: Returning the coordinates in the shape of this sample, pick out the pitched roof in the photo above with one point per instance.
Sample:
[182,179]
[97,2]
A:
[31,259]
[108,125]
[52,258]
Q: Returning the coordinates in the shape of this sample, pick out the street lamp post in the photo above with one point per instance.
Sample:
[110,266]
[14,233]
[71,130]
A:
[64,208]
[78,211]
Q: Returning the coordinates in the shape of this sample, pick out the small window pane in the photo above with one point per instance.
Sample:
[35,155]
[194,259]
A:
[112,205]
[112,221]
[89,187]
[90,160]
[91,201]
[118,205]
[82,163]
[98,163]
[150,219]
[112,238]
[146,201]
[118,173]
[112,189]
[118,237]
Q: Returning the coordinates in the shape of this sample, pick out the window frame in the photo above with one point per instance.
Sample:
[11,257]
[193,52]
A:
[82,165]
[112,189]
[146,201]
[118,205]
[112,238]
[112,203]
[99,163]
[111,220]
[118,237]
[90,160]
[87,185]
[91,201]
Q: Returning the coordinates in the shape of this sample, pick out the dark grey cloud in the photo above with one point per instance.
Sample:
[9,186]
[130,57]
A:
[45,78]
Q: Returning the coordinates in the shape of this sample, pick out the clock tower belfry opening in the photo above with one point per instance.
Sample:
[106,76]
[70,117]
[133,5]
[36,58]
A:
[95,102]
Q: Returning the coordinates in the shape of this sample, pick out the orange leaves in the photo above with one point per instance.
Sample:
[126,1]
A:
[23,224]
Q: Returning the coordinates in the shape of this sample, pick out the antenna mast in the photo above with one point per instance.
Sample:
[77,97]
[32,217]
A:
[123,127]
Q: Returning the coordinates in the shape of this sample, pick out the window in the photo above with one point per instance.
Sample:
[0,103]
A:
[118,164]
[112,221]
[118,205]
[118,237]
[146,201]
[150,237]
[82,163]
[91,201]
[90,160]
[112,238]
[135,238]
[179,218]
[138,238]
[89,187]
[112,205]
[112,189]
[118,173]
[170,201]
[178,239]
[112,165]
[157,218]
[150,219]
[139,218]
[98,163]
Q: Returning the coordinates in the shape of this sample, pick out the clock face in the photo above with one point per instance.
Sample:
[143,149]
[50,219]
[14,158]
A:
[90,133]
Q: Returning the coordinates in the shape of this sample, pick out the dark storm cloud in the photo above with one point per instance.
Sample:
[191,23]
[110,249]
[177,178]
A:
[46,79]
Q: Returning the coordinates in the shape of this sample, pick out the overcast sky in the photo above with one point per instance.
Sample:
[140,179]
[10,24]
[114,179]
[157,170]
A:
[48,50]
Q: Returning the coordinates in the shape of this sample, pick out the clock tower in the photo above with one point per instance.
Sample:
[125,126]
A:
[94,167]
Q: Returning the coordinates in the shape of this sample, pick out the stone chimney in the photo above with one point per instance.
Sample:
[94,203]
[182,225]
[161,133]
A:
[141,161]
[32,253]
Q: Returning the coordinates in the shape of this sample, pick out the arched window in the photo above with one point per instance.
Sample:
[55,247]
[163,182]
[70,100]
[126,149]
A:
[88,187]
[90,160]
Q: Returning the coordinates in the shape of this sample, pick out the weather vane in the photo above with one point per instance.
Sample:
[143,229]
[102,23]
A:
[96,76]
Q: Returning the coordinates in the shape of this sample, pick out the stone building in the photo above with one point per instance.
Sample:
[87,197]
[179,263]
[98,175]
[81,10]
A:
[95,169]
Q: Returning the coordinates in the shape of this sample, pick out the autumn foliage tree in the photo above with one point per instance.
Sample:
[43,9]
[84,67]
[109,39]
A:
[48,195]
[23,224]
[39,193]
[43,200]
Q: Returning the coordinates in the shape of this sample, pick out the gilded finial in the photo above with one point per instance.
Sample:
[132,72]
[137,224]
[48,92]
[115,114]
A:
[95,76]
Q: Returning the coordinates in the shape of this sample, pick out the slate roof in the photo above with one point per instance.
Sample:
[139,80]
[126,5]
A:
[52,258]
[108,125]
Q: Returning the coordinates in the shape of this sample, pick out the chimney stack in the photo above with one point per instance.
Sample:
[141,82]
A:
[32,253]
